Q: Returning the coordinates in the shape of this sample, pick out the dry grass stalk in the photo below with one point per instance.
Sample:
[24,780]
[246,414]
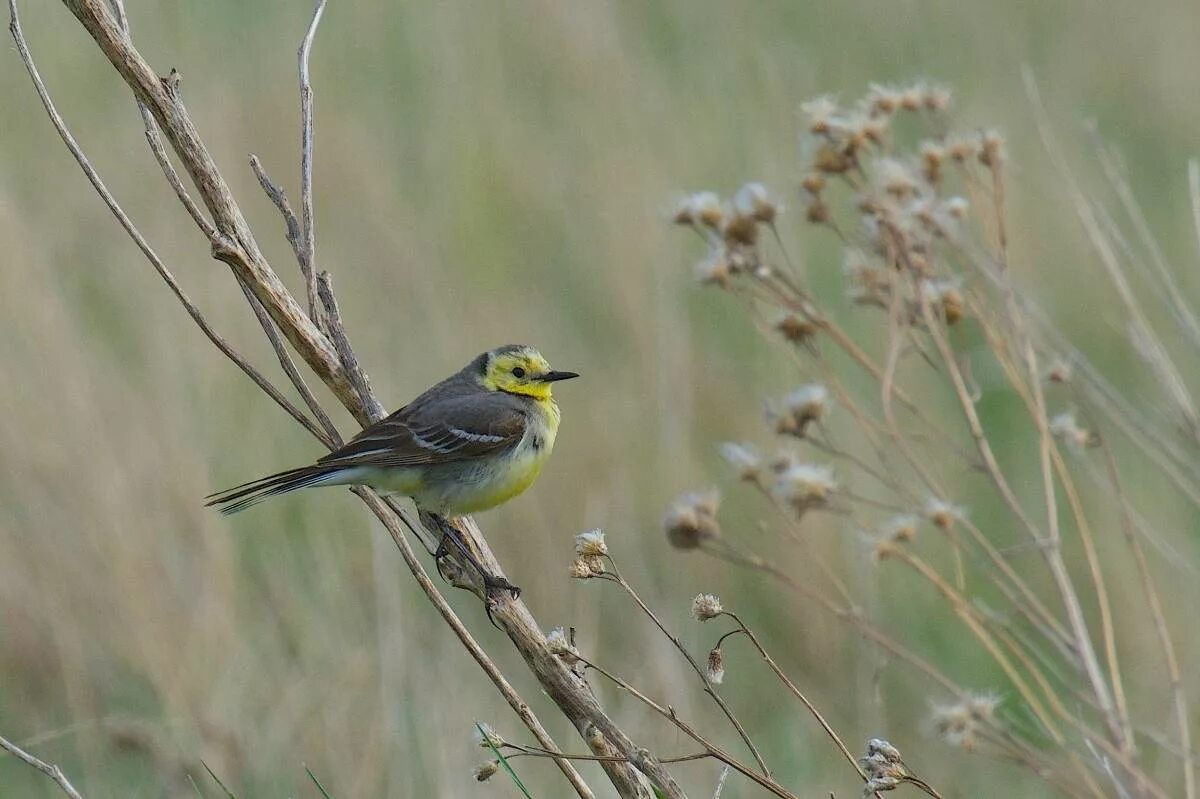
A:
[903,212]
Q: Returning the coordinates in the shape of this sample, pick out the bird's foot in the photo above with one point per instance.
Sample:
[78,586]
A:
[494,590]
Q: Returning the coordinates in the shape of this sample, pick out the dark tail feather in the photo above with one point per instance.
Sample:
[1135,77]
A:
[238,498]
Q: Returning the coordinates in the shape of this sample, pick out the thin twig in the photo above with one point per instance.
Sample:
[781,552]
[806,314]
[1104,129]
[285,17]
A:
[341,344]
[308,252]
[126,223]
[1161,629]
[816,714]
[49,769]
[332,438]
[696,667]
[717,752]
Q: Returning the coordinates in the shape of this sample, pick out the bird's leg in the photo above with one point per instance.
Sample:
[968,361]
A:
[492,583]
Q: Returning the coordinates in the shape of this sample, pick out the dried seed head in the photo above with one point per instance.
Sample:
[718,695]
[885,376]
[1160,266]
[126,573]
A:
[831,159]
[961,148]
[869,283]
[959,724]
[943,514]
[936,98]
[684,212]
[739,228]
[883,548]
[485,770]
[1067,429]
[982,706]
[581,569]
[560,644]
[716,667]
[715,269]
[706,209]
[486,737]
[991,149]
[692,520]
[744,460]
[793,327]
[896,178]
[801,408]
[900,529]
[1060,371]
[591,544]
[803,486]
[706,606]
[752,200]
[912,98]
[882,100]
[875,130]
[817,212]
[878,746]
[946,299]
[813,183]
[821,113]
[956,208]
[933,155]
[883,767]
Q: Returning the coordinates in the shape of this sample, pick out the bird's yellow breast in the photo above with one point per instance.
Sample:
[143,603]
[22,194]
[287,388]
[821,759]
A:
[508,475]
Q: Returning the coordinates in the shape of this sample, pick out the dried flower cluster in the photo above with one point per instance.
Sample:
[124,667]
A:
[692,520]
[938,331]
[960,724]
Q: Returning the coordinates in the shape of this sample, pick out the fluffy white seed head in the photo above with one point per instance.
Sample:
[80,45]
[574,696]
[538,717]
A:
[706,606]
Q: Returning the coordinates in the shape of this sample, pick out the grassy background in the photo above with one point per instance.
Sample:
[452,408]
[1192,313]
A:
[486,173]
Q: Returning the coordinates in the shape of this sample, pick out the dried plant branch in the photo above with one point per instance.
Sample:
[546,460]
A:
[142,244]
[708,685]
[1161,629]
[49,769]
[668,713]
[341,344]
[332,438]
[308,250]
[796,692]
[235,245]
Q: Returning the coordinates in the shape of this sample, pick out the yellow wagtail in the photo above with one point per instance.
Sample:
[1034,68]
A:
[469,443]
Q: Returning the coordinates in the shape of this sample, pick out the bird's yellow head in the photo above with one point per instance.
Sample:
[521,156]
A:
[518,369]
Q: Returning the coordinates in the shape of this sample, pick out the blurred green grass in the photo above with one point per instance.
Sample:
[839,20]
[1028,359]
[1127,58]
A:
[485,173]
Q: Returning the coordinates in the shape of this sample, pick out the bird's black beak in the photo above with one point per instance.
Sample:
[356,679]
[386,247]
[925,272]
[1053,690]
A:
[550,377]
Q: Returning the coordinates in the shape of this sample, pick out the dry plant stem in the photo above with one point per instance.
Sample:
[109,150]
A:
[816,714]
[394,523]
[127,224]
[276,195]
[1157,357]
[1115,714]
[49,769]
[1162,630]
[332,439]
[357,377]
[236,246]
[308,252]
[235,243]
[533,751]
[160,154]
[717,752]
[1050,549]
[572,694]
[708,686]
[1117,718]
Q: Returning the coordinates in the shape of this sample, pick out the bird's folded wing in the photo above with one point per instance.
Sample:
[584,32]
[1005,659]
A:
[452,429]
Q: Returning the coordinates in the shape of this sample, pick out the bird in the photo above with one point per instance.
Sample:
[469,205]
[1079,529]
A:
[469,443]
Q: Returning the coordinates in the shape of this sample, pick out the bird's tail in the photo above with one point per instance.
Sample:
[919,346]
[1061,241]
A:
[238,498]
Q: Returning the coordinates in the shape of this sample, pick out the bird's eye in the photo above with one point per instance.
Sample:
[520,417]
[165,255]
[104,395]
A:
[518,372]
